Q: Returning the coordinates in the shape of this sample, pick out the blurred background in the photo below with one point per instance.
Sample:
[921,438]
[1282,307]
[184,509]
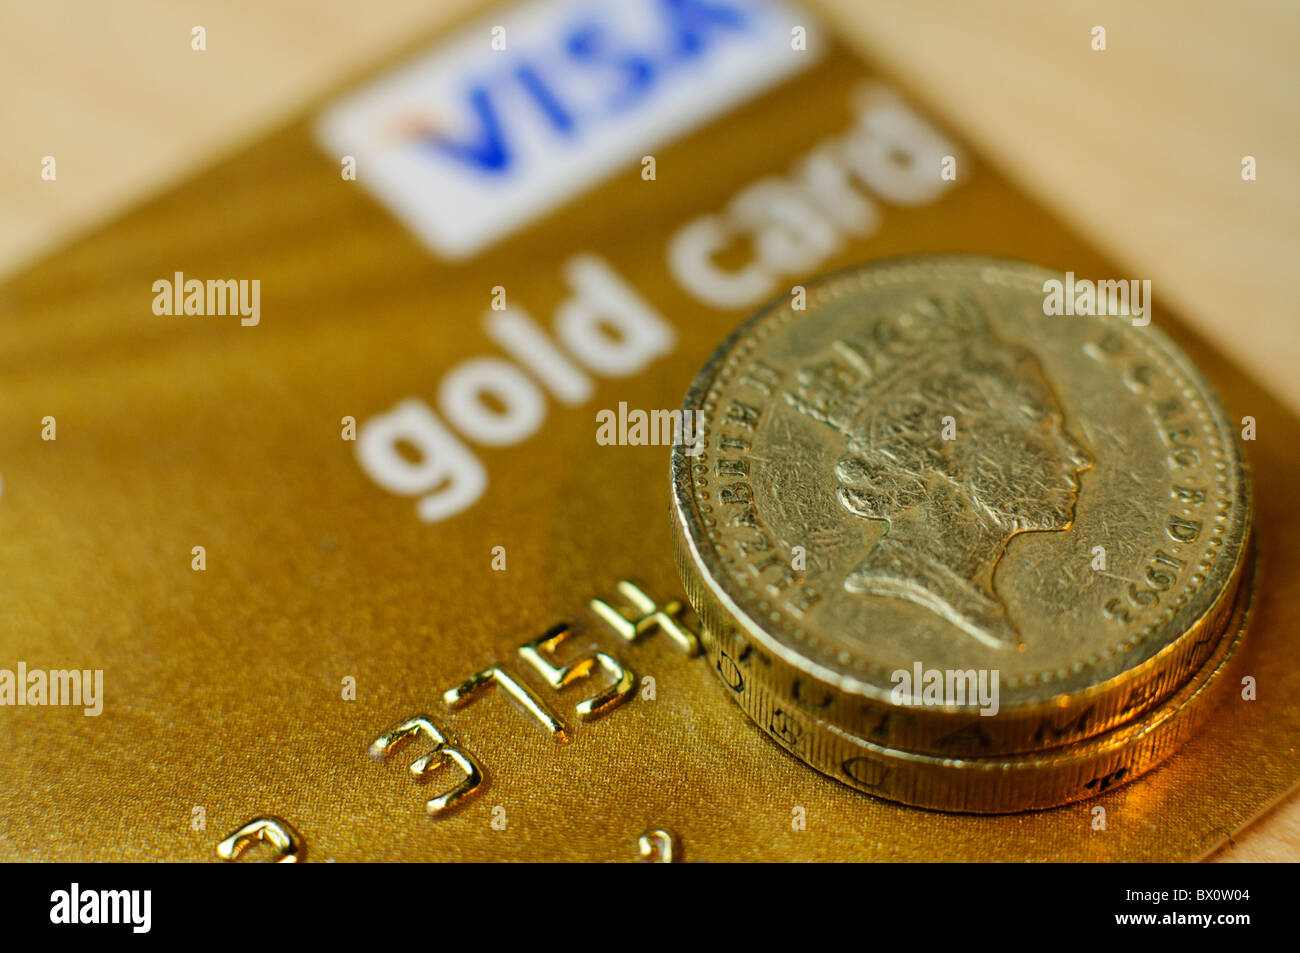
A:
[1139,148]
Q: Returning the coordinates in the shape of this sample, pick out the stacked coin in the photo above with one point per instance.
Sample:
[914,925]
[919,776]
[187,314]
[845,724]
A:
[956,548]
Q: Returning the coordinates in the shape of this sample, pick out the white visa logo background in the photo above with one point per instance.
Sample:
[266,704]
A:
[472,141]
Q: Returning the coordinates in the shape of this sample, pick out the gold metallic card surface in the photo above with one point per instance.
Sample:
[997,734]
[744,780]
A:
[277,671]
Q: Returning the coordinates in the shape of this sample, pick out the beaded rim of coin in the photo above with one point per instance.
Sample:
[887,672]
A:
[1161,662]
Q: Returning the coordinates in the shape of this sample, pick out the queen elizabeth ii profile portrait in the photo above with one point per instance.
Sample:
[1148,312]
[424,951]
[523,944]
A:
[954,439]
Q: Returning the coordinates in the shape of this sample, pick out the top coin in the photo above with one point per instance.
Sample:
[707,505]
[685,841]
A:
[923,470]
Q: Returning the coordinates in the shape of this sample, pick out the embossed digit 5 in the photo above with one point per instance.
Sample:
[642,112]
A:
[538,652]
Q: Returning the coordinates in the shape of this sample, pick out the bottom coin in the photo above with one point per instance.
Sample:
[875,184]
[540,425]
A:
[1006,784]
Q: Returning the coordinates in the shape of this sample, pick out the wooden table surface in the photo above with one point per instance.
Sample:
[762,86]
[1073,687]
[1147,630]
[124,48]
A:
[1139,147]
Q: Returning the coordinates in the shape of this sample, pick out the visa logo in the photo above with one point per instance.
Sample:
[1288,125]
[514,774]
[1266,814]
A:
[532,106]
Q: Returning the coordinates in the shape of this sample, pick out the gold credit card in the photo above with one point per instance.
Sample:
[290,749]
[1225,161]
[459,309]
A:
[335,480]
